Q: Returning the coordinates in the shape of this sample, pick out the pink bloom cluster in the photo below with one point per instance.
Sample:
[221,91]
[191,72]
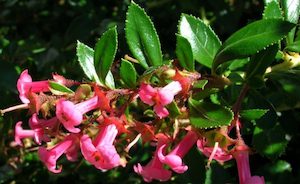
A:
[90,122]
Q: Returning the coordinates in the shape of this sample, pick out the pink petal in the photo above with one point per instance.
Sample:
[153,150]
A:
[255,180]
[146,93]
[68,115]
[167,93]
[161,111]
[21,85]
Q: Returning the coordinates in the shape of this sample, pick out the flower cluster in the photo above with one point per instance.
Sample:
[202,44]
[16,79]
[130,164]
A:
[91,120]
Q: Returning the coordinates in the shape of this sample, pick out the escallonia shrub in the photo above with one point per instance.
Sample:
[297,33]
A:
[168,103]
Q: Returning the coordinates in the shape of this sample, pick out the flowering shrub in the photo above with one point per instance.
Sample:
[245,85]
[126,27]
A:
[175,105]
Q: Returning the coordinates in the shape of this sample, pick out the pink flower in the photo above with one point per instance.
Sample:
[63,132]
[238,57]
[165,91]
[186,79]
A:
[220,155]
[71,115]
[255,180]
[174,158]
[35,122]
[50,157]
[20,133]
[159,97]
[101,152]
[241,155]
[26,85]
[155,169]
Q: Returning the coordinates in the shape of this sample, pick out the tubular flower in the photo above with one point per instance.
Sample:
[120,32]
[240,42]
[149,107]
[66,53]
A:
[159,97]
[241,155]
[25,85]
[71,115]
[50,157]
[101,152]
[35,122]
[20,133]
[155,169]
[174,158]
[220,155]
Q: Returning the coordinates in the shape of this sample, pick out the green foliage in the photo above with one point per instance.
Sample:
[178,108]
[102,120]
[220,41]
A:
[251,39]
[272,11]
[128,73]
[253,114]
[86,60]
[59,89]
[203,40]
[270,142]
[142,38]
[184,53]
[105,51]
[208,115]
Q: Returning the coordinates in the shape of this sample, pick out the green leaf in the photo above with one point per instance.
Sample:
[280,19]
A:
[251,39]
[270,142]
[128,73]
[184,53]
[86,60]
[260,62]
[208,115]
[141,37]
[272,11]
[291,9]
[59,89]
[105,51]
[294,47]
[109,80]
[203,40]
[173,110]
[200,84]
[253,114]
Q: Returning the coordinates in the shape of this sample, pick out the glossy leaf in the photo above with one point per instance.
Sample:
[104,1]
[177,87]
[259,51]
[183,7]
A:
[105,51]
[291,13]
[208,115]
[86,60]
[291,10]
[59,89]
[251,39]
[272,10]
[253,114]
[128,73]
[184,53]
[141,37]
[270,142]
[109,80]
[260,62]
[203,40]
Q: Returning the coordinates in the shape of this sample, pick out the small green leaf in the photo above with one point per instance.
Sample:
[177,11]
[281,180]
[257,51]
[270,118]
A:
[200,84]
[105,51]
[291,13]
[128,73]
[203,40]
[251,39]
[59,89]
[109,80]
[184,53]
[86,60]
[173,110]
[253,114]
[272,11]
[141,37]
[270,142]
[208,115]
[260,62]
[294,47]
